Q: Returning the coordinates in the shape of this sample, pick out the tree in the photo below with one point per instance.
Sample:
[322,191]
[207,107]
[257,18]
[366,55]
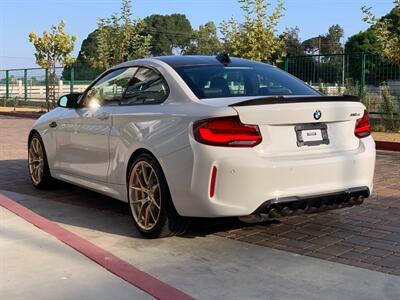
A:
[378,66]
[53,48]
[364,41]
[82,69]
[330,43]
[293,45]
[205,41]
[256,38]
[169,33]
[166,44]
[119,39]
[387,32]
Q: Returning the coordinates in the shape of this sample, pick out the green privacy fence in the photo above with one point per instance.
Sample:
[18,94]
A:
[32,84]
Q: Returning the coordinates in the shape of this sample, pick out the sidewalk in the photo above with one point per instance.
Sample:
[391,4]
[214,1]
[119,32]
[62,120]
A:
[204,267]
[34,265]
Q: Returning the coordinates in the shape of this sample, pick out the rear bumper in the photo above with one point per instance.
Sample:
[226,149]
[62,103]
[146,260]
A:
[246,179]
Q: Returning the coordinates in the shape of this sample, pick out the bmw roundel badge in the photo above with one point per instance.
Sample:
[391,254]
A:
[317,115]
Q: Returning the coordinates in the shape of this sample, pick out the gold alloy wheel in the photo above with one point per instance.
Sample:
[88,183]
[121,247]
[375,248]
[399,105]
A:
[36,160]
[144,195]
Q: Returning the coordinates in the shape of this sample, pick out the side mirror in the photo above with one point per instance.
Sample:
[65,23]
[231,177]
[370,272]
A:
[69,100]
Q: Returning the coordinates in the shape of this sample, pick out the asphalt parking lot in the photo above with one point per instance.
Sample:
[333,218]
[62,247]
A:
[347,244]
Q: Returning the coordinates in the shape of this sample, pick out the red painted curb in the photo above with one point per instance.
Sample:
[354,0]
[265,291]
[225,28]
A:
[20,115]
[390,146]
[112,263]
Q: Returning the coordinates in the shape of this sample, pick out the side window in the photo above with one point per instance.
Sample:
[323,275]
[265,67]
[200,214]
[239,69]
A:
[109,89]
[146,87]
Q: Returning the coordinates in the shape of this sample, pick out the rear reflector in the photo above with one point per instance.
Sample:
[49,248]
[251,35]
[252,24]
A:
[212,181]
[363,128]
[226,132]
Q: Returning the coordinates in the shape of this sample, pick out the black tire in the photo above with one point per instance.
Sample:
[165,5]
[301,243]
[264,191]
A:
[169,222]
[46,180]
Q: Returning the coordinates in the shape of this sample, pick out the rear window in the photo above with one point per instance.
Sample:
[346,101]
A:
[217,81]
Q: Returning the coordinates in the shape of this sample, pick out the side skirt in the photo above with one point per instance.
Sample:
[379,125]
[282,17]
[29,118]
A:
[115,191]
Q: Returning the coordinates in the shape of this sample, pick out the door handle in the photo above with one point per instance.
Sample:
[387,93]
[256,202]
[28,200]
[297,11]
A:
[103,116]
[53,124]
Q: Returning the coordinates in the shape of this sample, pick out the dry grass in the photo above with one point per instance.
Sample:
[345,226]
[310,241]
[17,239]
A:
[386,136]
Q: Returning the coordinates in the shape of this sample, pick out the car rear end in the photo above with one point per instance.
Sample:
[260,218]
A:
[276,158]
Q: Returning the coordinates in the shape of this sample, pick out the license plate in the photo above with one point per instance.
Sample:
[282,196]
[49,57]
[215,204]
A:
[312,135]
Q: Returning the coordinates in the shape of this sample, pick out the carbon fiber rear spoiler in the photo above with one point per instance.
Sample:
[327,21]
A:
[284,100]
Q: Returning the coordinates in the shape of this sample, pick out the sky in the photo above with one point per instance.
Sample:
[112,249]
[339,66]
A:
[19,17]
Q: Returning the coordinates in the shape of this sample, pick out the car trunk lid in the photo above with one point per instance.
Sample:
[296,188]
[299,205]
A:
[293,125]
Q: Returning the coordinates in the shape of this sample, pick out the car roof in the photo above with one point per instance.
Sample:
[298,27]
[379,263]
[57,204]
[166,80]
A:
[195,60]
[176,61]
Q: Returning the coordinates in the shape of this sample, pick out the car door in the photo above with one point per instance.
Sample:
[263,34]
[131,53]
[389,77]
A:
[137,120]
[82,142]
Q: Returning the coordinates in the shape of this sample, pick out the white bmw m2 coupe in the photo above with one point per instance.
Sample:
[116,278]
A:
[202,136]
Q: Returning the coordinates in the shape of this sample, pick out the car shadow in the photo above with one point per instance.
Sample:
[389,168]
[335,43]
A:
[207,226]
[68,204]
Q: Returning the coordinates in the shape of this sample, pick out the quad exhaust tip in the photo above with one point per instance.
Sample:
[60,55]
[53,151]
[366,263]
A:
[312,205]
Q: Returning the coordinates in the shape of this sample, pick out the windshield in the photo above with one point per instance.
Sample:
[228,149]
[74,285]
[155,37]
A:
[217,81]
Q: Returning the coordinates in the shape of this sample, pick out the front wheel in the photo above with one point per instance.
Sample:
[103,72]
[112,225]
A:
[150,201]
[37,163]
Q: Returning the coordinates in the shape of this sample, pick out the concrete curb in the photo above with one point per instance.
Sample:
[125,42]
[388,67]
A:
[390,146]
[20,114]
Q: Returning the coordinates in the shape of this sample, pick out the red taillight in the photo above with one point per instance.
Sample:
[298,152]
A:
[212,181]
[363,128]
[227,132]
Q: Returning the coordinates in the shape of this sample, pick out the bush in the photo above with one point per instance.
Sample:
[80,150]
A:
[378,128]
[389,110]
